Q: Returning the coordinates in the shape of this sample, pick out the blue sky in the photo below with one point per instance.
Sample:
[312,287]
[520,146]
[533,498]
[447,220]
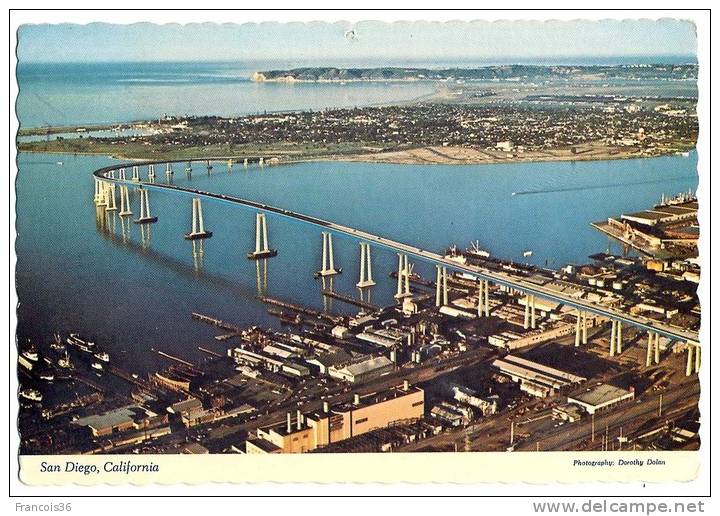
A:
[318,42]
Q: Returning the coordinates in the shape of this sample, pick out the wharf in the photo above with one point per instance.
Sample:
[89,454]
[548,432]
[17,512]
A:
[300,309]
[351,301]
[216,322]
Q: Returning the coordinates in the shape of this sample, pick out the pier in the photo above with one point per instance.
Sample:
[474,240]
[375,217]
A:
[350,300]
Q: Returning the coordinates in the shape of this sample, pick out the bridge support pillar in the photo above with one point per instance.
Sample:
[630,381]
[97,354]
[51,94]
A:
[136,173]
[441,287]
[577,329]
[650,346]
[366,279]
[198,227]
[400,273]
[98,192]
[168,170]
[262,247]
[124,201]
[584,328]
[533,325]
[145,216]
[618,336]
[481,301]
[103,198]
[111,205]
[328,258]
[689,367]
[122,174]
[613,332]
[526,322]
[403,277]
[486,286]
[697,359]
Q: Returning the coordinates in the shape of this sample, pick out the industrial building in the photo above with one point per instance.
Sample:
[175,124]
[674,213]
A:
[601,396]
[535,378]
[119,420]
[363,370]
[309,431]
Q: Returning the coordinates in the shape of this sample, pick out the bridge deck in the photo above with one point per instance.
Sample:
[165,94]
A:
[495,277]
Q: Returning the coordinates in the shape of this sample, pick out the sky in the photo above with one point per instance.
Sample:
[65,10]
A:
[330,42]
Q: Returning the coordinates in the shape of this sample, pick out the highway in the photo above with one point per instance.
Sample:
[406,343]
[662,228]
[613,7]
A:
[498,278]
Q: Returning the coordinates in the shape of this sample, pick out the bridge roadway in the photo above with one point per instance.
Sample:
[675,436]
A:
[499,278]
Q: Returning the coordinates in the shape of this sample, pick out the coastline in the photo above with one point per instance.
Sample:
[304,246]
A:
[428,155]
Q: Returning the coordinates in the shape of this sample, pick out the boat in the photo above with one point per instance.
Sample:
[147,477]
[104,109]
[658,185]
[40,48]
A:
[527,253]
[319,274]
[475,251]
[456,256]
[31,394]
[65,362]
[30,354]
[102,355]
[74,340]
[97,366]
[47,375]
[57,344]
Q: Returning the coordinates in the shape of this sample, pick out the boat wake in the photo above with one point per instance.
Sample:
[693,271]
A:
[602,187]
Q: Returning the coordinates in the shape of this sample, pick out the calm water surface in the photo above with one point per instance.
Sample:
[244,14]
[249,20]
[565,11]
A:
[133,297]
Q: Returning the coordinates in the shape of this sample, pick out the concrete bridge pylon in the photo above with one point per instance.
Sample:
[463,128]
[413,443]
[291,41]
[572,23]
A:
[366,277]
[198,226]
[262,247]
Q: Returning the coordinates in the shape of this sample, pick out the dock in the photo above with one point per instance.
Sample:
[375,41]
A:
[216,322]
[300,309]
[350,300]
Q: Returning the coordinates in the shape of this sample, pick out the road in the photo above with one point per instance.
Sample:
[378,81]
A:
[495,277]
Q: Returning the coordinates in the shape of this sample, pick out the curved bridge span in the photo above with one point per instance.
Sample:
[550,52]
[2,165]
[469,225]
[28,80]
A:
[498,278]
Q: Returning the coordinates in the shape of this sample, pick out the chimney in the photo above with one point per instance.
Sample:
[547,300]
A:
[299,420]
[326,407]
[289,423]
[406,385]
[357,399]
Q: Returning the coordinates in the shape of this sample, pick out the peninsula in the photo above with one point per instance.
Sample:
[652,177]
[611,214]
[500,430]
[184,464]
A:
[515,72]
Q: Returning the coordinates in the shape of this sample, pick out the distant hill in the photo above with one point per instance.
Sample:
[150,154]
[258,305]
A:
[486,73]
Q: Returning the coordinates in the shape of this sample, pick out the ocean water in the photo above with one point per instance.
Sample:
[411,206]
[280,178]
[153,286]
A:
[132,294]
[99,93]
[69,94]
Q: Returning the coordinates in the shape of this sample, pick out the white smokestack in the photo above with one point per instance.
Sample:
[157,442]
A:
[299,420]
[289,422]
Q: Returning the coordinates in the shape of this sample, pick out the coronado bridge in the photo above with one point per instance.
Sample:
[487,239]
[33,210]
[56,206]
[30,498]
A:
[106,178]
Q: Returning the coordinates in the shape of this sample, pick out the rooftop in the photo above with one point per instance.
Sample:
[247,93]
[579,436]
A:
[600,394]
